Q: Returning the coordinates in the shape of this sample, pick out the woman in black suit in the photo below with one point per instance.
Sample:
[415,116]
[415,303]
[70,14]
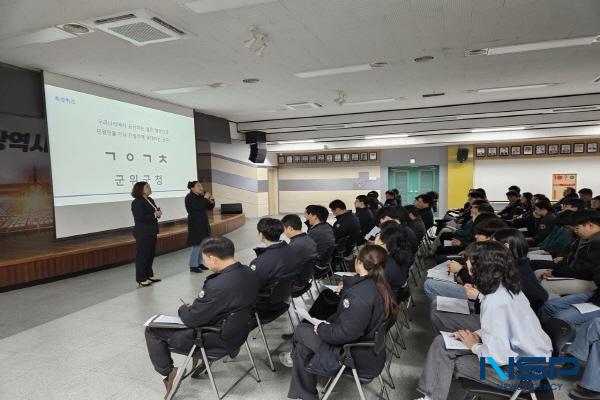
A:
[145,215]
[197,203]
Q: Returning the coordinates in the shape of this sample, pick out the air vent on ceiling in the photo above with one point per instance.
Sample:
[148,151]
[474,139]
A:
[432,94]
[597,80]
[477,52]
[303,106]
[140,27]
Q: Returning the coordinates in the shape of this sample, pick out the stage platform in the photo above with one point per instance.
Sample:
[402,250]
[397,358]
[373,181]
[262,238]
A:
[31,257]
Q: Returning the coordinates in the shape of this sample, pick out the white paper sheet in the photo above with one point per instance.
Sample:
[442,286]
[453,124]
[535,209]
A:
[558,278]
[585,308]
[164,319]
[541,257]
[344,273]
[335,288]
[452,343]
[450,304]
[302,312]
[372,233]
[440,275]
[447,243]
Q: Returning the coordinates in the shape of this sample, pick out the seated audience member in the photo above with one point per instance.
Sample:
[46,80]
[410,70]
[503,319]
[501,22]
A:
[365,216]
[514,240]
[390,199]
[304,247]
[526,219]
[543,212]
[484,230]
[274,262]
[423,203]
[514,206]
[558,240]
[398,197]
[457,218]
[586,195]
[366,303]
[434,200]
[596,203]
[400,257]
[568,193]
[375,203]
[399,216]
[415,222]
[584,266]
[573,204]
[586,348]
[346,224]
[319,230]
[212,306]
[509,328]
[514,188]
[562,307]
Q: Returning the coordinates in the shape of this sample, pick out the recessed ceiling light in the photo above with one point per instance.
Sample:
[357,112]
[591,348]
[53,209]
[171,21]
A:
[76,29]
[251,80]
[367,102]
[297,141]
[379,64]
[519,87]
[423,59]
[393,135]
[342,70]
[216,85]
[500,129]
[545,45]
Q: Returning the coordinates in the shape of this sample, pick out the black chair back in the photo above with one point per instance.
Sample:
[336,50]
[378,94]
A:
[281,291]
[560,333]
[306,272]
[235,323]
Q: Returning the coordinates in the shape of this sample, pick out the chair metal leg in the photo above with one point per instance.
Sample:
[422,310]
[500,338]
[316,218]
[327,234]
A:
[516,394]
[252,361]
[394,348]
[389,374]
[326,386]
[291,320]
[210,375]
[533,396]
[358,385]
[260,328]
[332,384]
[383,388]
[179,376]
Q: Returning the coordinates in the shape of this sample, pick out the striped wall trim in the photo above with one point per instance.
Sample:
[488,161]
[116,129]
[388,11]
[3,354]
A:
[239,182]
[325,185]
[247,163]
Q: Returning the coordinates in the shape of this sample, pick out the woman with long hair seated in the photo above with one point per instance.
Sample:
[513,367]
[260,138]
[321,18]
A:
[509,327]
[366,303]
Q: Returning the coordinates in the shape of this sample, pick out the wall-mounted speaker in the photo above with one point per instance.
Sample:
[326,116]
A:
[231,208]
[462,155]
[258,146]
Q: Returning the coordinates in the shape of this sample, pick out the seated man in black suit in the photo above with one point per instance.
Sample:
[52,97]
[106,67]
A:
[275,262]
[304,247]
[213,304]
[346,225]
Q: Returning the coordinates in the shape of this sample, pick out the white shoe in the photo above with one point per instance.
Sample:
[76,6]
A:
[285,358]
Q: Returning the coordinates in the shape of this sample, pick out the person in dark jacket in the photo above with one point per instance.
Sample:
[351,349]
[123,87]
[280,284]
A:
[584,267]
[346,225]
[568,193]
[365,216]
[390,199]
[197,203]
[415,222]
[145,216]
[303,245]
[513,208]
[400,217]
[543,212]
[393,239]
[213,304]
[424,203]
[586,195]
[319,230]
[275,262]
[366,303]
[596,203]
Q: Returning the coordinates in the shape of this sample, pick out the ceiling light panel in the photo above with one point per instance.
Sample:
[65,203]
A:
[208,6]
[519,87]
[546,45]
[367,102]
[341,70]
[499,129]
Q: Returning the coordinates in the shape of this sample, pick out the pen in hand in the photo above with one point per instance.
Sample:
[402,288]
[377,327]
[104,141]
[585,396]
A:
[184,303]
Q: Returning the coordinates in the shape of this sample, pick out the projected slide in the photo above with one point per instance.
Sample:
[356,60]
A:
[100,147]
